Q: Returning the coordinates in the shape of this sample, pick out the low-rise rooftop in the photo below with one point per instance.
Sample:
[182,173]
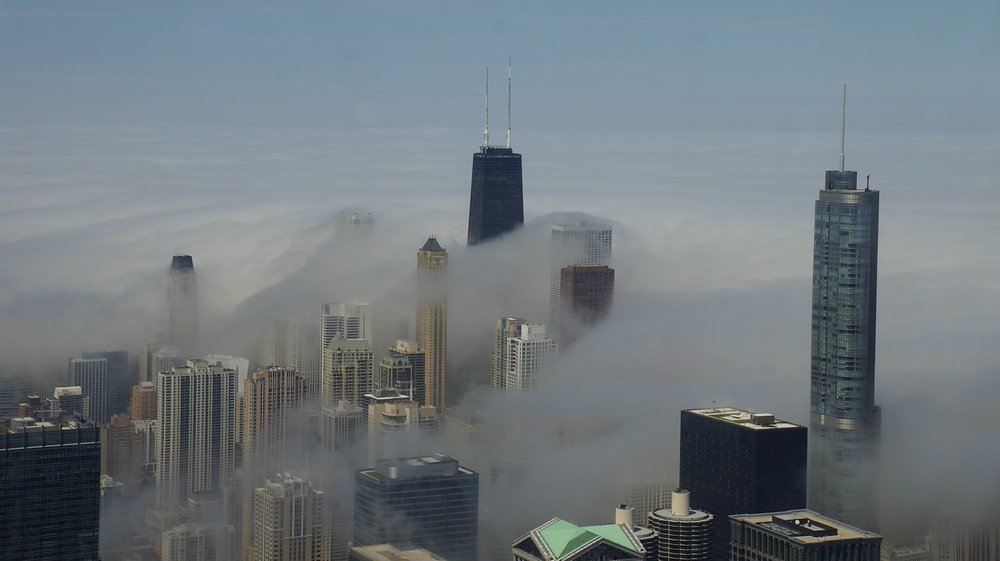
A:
[805,526]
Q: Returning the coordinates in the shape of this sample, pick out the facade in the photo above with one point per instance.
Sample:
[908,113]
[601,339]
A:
[395,373]
[69,400]
[410,350]
[432,320]
[683,534]
[527,354]
[195,432]
[506,328]
[198,542]
[586,292]
[294,345]
[430,502]
[348,369]
[289,521]
[51,513]
[799,535]
[155,357]
[734,461]
[844,420]
[117,392]
[342,425]
[182,298]
[92,377]
[142,406]
[392,423]
[387,552]
[123,452]
[579,243]
[559,540]
[271,405]
[496,203]
[346,320]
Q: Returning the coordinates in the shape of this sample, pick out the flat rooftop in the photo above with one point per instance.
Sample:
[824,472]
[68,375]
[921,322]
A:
[805,526]
[437,465]
[386,552]
[744,418]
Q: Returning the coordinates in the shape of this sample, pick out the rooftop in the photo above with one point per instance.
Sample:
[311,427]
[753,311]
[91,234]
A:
[437,465]
[563,538]
[182,263]
[805,526]
[386,552]
[748,419]
[431,245]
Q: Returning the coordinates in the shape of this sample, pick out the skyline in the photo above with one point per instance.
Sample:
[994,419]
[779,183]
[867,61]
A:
[708,177]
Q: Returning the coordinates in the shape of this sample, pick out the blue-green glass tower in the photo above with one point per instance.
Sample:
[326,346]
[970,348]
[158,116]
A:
[844,421]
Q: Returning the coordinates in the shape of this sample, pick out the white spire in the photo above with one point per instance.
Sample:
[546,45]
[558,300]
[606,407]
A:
[486,113]
[843,126]
[508,102]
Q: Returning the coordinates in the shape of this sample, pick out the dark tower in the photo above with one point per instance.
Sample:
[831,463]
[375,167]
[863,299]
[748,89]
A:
[496,205]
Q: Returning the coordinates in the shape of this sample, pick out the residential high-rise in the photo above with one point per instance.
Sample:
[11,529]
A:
[414,356]
[393,421]
[272,399]
[797,535]
[496,203]
[117,379]
[506,328]
[123,452]
[196,431]
[578,243]
[844,420]
[342,425]
[289,522]
[395,373]
[586,292]
[50,476]
[92,377]
[684,534]
[559,540]
[734,461]
[198,541]
[348,370]
[295,345]
[182,297]
[346,320]
[432,319]
[143,404]
[429,502]
[527,354]
[155,357]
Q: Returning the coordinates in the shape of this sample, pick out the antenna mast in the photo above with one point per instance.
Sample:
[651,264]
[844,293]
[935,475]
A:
[508,102]
[486,113]
[843,126]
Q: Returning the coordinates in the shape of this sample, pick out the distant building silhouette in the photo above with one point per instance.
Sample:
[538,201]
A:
[586,292]
[578,243]
[182,297]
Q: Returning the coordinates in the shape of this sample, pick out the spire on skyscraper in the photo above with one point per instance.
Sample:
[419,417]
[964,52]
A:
[508,102]
[843,126]
[486,112]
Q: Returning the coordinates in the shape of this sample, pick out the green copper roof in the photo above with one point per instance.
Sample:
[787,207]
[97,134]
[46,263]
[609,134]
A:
[562,537]
[432,245]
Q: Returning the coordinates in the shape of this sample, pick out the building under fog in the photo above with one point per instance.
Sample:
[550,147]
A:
[182,298]
[506,328]
[586,292]
[91,375]
[289,523]
[295,345]
[432,319]
[578,243]
[797,535]
[527,354]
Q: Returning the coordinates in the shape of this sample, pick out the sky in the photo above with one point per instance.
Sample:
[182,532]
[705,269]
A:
[236,131]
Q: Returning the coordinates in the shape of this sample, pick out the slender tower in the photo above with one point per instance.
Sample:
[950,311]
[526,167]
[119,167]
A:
[844,420]
[432,319]
[182,297]
[496,205]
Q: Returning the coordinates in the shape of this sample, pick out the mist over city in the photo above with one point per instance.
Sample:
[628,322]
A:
[724,286]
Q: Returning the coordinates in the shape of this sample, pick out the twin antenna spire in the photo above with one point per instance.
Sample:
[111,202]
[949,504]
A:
[486,113]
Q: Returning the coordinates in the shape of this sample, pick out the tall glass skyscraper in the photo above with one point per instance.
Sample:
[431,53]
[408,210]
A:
[844,420]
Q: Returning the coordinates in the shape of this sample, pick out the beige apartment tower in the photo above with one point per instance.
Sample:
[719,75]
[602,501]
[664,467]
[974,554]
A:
[271,399]
[432,319]
[289,522]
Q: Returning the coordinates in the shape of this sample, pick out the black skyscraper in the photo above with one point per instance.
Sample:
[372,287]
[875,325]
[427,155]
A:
[496,205]
[736,462]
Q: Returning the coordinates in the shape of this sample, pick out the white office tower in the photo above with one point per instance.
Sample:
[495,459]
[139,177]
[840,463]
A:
[531,352]
[195,436]
[684,534]
[579,243]
[288,523]
[506,328]
[344,320]
[296,346]
[182,297]
[91,374]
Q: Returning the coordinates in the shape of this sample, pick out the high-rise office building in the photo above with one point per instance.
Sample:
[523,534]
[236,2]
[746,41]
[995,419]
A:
[117,379]
[684,534]
[429,502]
[289,522]
[123,452]
[410,350]
[844,420]
[143,404]
[50,478]
[346,320]
[196,431]
[348,370]
[578,243]
[295,345]
[69,400]
[496,203]
[559,540]
[797,535]
[528,354]
[735,461]
[182,297]
[432,319]
[92,377]
[506,328]
[586,292]
[271,405]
